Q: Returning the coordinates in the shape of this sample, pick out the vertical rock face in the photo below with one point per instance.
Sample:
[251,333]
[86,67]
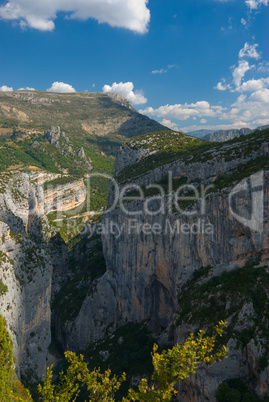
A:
[151,251]
[65,197]
[155,254]
[27,268]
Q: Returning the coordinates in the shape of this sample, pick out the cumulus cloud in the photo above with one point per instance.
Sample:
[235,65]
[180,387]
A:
[262,95]
[170,124]
[40,14]
[26,89]
[254,85]
[221,86]
[254,4]
[4,88]
[243,21]
[240,71]
[249,108]
[126,89]
[249,51]
[183,112]
[61,87]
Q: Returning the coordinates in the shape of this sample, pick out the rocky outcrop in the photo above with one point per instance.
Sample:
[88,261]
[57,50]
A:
[53,135]
[64,197]
[81,153]
[129,156]
[33,265]
[26,269]
[59,139]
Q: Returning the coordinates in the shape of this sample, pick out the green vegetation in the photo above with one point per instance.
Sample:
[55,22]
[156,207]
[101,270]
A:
[58,182]
[241,172]
[10,388]
[191,151]
[236,391]
[164,141]
[3,288]
[45,156]
[203,299]
[170,367]
[128,350]
[92,121]
[87,269]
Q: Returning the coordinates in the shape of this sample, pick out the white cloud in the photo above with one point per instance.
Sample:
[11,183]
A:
[170,124]
[163,70]
[183,112]
[254,4]
[243,21]
[27,89]
[126,89]
[262,95]
[221,86]
[61,87]
[263,67]
[40,14]
[4,88]
[203,121]
[254,85]
[249,108]
[240,71]
[249,51]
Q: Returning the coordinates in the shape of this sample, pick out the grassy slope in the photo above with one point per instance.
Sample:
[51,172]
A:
[94,121]
[188,149]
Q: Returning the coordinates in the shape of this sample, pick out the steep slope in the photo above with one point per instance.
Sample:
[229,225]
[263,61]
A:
[33,262]
[156,242]
[69,135]
[97,122]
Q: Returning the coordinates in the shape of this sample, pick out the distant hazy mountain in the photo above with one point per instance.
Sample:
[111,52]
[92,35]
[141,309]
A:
[261,128]
[199,133]
[225,135]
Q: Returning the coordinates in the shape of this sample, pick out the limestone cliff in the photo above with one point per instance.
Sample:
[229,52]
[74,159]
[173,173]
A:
[33,262]
[64,197]
[153,245]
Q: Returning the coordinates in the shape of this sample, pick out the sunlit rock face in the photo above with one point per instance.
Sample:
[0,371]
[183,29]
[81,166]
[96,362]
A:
[31,258]
[65,197]
[151,256]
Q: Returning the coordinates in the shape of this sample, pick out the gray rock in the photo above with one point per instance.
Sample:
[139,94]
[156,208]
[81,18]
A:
[53,134]
[81,153]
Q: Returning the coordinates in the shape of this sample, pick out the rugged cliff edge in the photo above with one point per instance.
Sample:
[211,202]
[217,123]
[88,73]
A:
[157,244]
[183,243]
[33,261]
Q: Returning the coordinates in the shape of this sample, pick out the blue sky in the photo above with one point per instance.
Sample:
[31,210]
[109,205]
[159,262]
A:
[190,64]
